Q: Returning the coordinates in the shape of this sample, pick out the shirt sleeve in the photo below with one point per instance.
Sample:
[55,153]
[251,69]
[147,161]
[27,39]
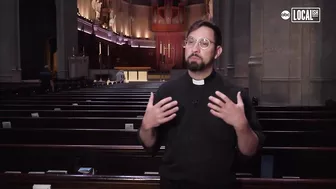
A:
[252,118]
[159,131]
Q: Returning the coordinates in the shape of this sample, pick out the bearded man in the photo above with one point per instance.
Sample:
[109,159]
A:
[203,121]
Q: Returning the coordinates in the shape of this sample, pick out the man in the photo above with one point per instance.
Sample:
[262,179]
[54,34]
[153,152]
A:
[46,79]
[120,76]
[201,119]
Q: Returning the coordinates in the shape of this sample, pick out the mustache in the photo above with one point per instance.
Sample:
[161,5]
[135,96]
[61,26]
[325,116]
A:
[196,55]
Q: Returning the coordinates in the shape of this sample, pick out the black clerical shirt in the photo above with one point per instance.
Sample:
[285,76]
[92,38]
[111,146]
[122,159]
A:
[199,147]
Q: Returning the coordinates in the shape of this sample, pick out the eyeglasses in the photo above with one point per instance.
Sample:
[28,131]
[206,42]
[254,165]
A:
[204,43]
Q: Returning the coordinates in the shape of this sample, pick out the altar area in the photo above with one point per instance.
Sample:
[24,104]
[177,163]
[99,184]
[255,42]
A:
[135,73]
[79,67]
[132,74]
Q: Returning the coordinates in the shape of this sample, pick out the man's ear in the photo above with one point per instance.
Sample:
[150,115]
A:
[218,52]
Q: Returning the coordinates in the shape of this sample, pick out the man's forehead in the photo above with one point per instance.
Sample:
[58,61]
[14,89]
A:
[202,32]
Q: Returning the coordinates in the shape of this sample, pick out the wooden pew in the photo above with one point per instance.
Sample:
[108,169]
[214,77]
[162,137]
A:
[81,98]
[15,89]
[12,110]
[294,108]
[304,114]
[285,124]
[70,102]
[72,84]
[274,139]
[10,89]
[103,92]
[302,162]
[132,159]
[115,89]
[69,106]
[297,124]
[73,122]
[73,113]
[316,138]
[129,137]
[95,95]
[275,112]
[94,103]
[278,140]
[26,181]
[119,123]
[105,159]
[69,136]
[111,94]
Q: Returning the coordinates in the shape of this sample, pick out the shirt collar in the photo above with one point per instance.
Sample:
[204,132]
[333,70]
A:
[202,81]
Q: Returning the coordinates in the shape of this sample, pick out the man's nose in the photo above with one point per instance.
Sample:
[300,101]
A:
[196,48]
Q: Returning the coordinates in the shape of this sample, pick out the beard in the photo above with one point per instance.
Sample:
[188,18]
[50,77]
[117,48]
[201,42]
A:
[194,66]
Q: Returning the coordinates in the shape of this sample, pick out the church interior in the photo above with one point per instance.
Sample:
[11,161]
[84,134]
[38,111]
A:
[76,76]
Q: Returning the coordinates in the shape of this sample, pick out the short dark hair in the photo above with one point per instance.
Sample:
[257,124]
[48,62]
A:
[214,27]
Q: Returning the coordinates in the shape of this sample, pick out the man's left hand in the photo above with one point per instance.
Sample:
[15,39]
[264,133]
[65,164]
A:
[230,112]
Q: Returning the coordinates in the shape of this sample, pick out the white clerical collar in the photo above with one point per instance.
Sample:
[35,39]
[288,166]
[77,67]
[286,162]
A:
[198,82]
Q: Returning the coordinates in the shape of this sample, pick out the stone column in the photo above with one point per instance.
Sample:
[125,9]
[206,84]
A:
[223,17]
[227,26]
[216,19]
[256,48]
[10,67]
[67,34]
[241,43]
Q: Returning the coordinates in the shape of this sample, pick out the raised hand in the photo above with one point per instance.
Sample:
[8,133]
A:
[162,112]
[228,111]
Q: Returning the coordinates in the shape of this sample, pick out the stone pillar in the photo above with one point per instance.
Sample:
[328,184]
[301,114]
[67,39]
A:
[67,34]
[241,43]
[223,17]
[227,26]
[256,48]
[10,67]
[216,19]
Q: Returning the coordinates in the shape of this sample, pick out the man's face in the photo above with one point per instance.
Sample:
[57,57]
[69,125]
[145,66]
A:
[200,50]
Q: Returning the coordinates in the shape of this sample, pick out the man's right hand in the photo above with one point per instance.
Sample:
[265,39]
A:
[162,112]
